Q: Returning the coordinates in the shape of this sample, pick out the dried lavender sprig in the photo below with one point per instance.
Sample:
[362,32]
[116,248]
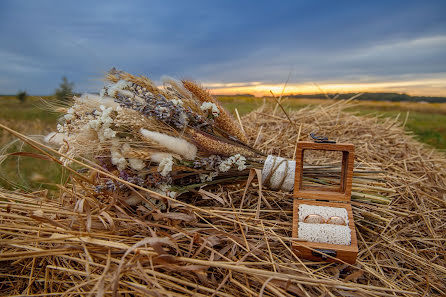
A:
[164,110]
[210,163]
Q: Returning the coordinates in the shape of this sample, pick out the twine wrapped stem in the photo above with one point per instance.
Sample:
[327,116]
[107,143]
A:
[278,173]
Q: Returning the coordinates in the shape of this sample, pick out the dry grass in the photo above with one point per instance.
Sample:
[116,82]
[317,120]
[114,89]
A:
[225,241]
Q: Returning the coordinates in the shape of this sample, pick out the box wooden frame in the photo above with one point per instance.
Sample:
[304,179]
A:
[339,197]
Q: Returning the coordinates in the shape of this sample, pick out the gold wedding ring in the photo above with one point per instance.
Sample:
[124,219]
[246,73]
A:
[314,219]
[335,220]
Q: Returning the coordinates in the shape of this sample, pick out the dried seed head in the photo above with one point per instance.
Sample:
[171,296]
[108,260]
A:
[216,146]
[225,121]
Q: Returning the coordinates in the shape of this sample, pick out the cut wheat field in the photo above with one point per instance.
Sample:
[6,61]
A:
[234,239]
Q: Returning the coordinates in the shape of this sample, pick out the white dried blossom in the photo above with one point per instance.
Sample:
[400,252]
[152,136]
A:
[117,159]
[94,124]
[165,166]
[207,177]
[211,107]
[109,133]
[240,162]
[102,93]
[102,122]
[177,102]
[68,116]
[237,160]
[121,164]
[136,164]
[120,85]
[224,167]
[60,128]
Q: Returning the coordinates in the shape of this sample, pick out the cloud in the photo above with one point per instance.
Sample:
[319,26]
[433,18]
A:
[228,42]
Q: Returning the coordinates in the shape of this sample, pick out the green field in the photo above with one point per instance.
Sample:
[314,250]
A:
[426,120]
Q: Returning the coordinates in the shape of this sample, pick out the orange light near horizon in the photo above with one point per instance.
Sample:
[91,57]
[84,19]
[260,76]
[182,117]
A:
[421,87]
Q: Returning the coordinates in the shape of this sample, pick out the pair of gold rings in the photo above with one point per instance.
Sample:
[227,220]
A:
[318,219]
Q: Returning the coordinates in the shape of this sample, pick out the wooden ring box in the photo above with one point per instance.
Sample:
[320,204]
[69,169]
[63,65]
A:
[338,197]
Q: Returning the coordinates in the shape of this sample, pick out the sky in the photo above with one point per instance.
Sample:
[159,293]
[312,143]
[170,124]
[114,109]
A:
[228,46]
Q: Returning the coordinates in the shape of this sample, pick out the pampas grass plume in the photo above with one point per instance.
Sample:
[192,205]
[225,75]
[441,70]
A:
[173,144]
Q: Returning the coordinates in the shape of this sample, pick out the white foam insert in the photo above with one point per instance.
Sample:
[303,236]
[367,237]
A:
[324,233]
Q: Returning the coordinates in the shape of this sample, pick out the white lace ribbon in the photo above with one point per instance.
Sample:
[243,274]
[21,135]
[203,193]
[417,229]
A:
[278,173]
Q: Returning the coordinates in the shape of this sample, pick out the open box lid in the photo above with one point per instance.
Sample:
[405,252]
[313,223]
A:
[341,193]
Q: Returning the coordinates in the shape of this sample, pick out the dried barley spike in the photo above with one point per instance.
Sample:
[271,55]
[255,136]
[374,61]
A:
[225,121]
[215,146]
[139,154]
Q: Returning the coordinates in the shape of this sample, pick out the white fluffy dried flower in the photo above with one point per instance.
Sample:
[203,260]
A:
[177,102]
[237,160]
[102,92]
[117,159]
[207,177]
[224,167]
[136,164]
[165,166]
[120,85]
[211,107]
[60,128]
[68,116]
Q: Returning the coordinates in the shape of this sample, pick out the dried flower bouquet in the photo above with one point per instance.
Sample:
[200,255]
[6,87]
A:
[167,139]
[170,139]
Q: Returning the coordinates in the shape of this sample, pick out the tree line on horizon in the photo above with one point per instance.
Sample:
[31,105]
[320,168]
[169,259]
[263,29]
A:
[379,96]
[368,96]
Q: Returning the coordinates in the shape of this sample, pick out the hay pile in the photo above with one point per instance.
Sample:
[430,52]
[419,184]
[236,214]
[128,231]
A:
[223,241]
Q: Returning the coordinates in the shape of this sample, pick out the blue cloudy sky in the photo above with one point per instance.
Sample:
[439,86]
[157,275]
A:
[229,45]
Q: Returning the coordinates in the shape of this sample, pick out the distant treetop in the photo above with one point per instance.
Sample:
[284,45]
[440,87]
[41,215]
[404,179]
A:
[65,90]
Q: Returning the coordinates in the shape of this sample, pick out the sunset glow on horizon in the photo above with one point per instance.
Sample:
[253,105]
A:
[421,87]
